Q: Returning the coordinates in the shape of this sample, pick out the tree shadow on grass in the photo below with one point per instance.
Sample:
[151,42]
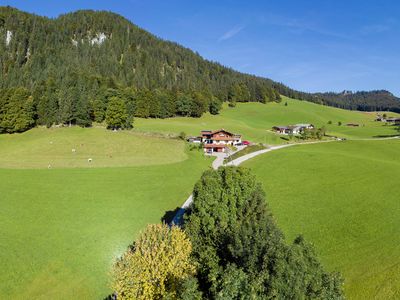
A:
[169,215]
[110,297]
[386,135]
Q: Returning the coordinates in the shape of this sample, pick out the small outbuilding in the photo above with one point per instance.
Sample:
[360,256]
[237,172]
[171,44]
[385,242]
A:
[292,129]
[195,139]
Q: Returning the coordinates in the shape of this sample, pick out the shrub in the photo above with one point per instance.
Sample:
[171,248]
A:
[182,135]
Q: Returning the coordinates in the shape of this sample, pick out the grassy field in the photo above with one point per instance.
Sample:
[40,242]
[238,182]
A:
[344,197]
[249,149]
[255,120]
[41,147]
[61,229]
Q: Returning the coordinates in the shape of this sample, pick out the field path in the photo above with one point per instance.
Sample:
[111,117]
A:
[219,161]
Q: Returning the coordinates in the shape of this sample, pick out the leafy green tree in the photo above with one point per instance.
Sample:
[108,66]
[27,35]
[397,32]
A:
[241,253]
[188,289]
[303,270]
[234,284]
[184,105]
[166,101]
[157,266]
[199,104]
[17,111]
[215,105]
[116,115]
[239,93]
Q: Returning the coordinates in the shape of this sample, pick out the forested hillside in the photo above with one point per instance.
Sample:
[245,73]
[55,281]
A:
[67,70]
[365,101]
[75,64]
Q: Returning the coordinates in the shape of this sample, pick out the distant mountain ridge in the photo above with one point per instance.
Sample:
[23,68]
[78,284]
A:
[72,65]
[380,100]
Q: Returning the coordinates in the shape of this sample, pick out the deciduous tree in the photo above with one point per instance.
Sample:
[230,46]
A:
[240,251]
[116,115]
[157,266]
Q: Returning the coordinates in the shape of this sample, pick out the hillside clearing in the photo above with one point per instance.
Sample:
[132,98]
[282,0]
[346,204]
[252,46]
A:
[255,120]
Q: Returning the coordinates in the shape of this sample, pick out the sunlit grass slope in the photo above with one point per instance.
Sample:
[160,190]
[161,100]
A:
[61,228]
[255,120]
[345,198]
[73,147]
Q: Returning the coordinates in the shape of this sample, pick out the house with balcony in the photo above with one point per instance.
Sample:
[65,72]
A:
[219,140]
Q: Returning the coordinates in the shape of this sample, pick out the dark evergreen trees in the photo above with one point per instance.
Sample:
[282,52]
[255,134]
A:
[75,63]
[240,251]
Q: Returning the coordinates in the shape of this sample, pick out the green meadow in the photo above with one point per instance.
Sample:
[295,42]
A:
[64,219]
[344,198]
[61,228]
[255,120]
[73,147]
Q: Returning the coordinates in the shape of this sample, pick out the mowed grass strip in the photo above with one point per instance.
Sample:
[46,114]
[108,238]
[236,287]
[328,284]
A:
[255,121]
[74,147]
[344,197]
[61,229]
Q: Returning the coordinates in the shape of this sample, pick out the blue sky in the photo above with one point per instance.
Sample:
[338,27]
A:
[310,45]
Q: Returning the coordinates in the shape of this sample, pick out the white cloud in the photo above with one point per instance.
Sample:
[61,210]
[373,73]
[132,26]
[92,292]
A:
[231,33]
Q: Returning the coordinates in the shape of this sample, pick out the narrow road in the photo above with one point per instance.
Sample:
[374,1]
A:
[219,161]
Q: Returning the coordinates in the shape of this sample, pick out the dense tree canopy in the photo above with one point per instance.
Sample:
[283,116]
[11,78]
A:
[240,251]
